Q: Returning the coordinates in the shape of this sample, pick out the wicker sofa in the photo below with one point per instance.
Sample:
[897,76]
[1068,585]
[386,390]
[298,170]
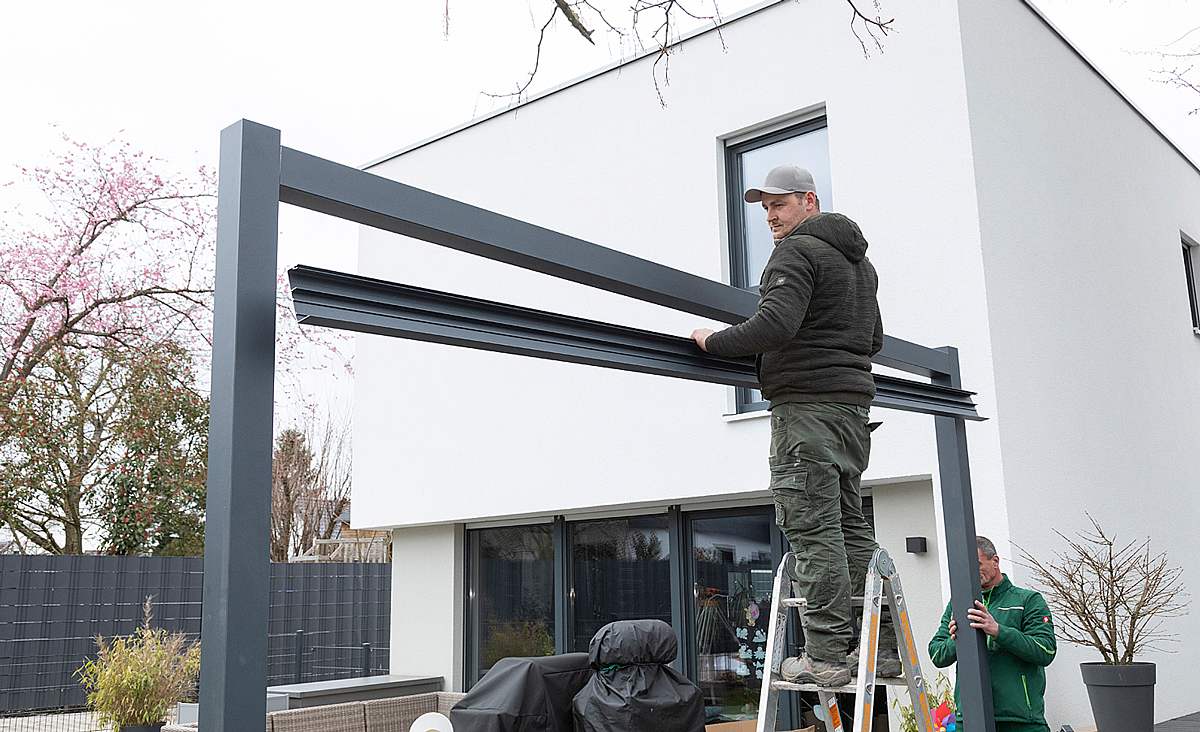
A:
[378,715]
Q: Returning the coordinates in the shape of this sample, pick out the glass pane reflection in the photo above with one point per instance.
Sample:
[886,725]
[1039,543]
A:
[513,593]
[622,571]
[734,574]
[809,150]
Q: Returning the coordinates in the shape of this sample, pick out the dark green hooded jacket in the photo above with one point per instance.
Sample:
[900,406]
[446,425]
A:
[1017,657]
[818,323]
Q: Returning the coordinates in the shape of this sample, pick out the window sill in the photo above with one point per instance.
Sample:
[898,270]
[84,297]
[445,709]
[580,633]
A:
[743,416]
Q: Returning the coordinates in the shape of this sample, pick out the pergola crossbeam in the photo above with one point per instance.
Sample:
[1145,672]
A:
[348,193]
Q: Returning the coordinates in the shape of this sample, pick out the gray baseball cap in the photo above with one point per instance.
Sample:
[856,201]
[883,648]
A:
[783,179]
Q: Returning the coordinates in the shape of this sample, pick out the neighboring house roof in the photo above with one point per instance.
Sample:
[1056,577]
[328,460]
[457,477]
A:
[730,20]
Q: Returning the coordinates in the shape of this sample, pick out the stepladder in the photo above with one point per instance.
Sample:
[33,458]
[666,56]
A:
[882,584]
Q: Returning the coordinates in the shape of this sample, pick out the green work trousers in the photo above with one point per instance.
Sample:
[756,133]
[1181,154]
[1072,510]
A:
[818,454]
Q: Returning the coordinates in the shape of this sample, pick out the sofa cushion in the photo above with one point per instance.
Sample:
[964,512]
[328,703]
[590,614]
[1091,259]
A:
[447,700]
[398,713]
[347,717]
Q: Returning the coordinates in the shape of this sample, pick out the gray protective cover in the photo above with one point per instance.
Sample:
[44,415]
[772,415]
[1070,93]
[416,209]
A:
[523,695]
[633,688]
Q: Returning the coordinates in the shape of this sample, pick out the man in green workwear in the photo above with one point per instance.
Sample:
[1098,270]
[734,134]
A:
[1020,644]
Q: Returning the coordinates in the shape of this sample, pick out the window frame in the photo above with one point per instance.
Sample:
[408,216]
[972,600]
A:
[471,646]
[1190,248]
[736,220]
[569,575]
[789,706]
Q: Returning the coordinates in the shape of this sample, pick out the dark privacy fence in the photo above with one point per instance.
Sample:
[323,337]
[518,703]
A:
[52,608]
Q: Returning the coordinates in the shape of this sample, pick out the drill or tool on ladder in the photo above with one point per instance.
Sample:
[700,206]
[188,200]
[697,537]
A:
[881,577]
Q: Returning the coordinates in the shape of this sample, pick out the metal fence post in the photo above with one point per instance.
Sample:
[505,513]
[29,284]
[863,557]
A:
[366,659]
[299,656]
[237,567]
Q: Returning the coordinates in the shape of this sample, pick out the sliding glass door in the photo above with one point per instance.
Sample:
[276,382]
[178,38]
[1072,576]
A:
[621,570]
[733,559]
[510,595]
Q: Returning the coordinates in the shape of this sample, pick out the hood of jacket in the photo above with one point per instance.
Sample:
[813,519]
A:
[838,232]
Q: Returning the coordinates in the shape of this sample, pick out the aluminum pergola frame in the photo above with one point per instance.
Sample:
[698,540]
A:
[257,174]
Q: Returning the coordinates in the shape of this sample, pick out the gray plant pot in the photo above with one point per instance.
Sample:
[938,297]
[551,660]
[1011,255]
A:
[1122,695]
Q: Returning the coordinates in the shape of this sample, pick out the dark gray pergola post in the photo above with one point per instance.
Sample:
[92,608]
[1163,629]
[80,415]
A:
[958,517]
[237,566]
[257,174]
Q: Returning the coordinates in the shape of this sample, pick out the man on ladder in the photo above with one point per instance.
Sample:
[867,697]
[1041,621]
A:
[815,331]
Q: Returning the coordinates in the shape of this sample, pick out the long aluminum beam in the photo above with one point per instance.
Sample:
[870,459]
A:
[352,302]
[351,194]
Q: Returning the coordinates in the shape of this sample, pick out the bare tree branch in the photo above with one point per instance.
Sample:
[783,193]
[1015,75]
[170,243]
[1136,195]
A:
[1179,66]
[651,24]
[877,28]
[537,61]
[1182,77]
[1109,596]
[1185,35]
[573,19]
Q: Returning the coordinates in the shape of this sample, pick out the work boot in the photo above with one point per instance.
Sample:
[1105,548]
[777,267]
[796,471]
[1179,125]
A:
[806,670]
[887,666]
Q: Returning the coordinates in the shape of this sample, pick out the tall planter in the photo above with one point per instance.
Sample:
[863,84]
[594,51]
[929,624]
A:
[1122,695]
[134,680]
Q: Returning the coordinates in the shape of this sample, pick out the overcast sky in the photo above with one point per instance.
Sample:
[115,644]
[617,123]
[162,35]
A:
[352,80]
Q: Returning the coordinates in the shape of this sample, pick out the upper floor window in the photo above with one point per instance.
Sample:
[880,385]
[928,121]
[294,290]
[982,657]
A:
[746,163]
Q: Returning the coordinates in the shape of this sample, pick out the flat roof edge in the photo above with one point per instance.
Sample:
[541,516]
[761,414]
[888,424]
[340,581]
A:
[613,66]
[729,20]
[1111,84]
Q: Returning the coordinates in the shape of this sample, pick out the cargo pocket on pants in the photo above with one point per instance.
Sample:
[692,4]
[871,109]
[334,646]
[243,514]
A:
[789,483]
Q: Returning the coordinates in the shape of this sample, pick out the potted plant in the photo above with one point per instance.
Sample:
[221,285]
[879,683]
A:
[1113,598]
[135,679]
[941,697]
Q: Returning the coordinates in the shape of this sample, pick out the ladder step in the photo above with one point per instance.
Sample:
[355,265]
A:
[848,689]
[857,601]
[803,602]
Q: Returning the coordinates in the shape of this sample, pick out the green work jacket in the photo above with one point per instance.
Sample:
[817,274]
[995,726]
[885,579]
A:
[1017,657]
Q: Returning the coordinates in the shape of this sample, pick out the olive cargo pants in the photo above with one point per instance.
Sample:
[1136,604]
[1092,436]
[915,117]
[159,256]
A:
[818,454]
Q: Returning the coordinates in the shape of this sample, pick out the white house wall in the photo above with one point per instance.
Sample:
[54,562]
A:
[1081,206]
[427,603]
[448,435]
[903,510]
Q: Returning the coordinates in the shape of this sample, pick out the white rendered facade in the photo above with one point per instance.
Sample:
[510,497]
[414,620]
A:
[1017,208]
